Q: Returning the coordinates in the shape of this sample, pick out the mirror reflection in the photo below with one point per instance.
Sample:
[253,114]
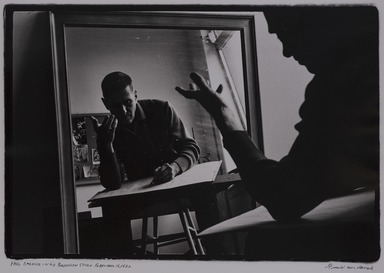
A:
[157,60]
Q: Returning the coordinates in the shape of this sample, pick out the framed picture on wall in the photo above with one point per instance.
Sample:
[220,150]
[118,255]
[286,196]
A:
[90,171]
[79,130]
[86,158]
[80,153]
[95,157]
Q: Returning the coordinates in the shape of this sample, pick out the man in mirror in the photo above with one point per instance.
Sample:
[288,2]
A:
[337,149]
[140,138]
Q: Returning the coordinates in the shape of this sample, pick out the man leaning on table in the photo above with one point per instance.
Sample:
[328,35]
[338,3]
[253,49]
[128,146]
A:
[140,138]
[144,138]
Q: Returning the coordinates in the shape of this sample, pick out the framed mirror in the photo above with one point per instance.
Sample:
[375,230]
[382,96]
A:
[158,50]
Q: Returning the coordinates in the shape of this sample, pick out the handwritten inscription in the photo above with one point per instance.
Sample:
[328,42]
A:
[352,267]
[68,264]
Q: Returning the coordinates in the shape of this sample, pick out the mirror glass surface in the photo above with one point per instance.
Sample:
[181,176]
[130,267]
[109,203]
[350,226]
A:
[157,60]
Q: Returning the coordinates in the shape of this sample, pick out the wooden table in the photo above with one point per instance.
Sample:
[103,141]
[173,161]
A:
[139,200]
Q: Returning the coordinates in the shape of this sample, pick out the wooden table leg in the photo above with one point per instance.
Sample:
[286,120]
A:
[194,231]
[144,235]
[187,232]
[155,235]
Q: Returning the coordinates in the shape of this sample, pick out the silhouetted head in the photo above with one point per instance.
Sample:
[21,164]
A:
[119,96]
[319,37]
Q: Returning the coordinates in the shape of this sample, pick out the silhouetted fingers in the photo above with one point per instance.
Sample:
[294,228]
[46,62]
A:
[95,123]
[186,93]
[199,80]
[110,122]
[114,124]
[105,120]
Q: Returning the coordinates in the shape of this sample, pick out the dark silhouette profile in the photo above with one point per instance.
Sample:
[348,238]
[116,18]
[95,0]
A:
[337,149]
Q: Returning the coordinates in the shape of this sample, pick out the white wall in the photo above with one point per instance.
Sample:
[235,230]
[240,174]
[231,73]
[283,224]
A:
[155,66]
[282,86]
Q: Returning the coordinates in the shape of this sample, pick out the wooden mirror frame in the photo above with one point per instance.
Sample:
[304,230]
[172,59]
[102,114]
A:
[244,23]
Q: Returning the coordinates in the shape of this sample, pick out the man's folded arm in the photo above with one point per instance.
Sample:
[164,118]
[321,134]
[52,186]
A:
[111,174]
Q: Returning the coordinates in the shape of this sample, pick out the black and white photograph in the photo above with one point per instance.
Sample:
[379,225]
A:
[90,171]
[79,130]
[95,157]
[80,153]
[216,133]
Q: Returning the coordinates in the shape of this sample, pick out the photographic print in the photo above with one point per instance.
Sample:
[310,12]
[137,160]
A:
[79,130]
[285,98]
[95,157]
[80,153]
[90,171]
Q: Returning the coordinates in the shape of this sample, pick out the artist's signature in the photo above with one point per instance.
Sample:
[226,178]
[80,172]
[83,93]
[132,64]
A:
[346,266]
